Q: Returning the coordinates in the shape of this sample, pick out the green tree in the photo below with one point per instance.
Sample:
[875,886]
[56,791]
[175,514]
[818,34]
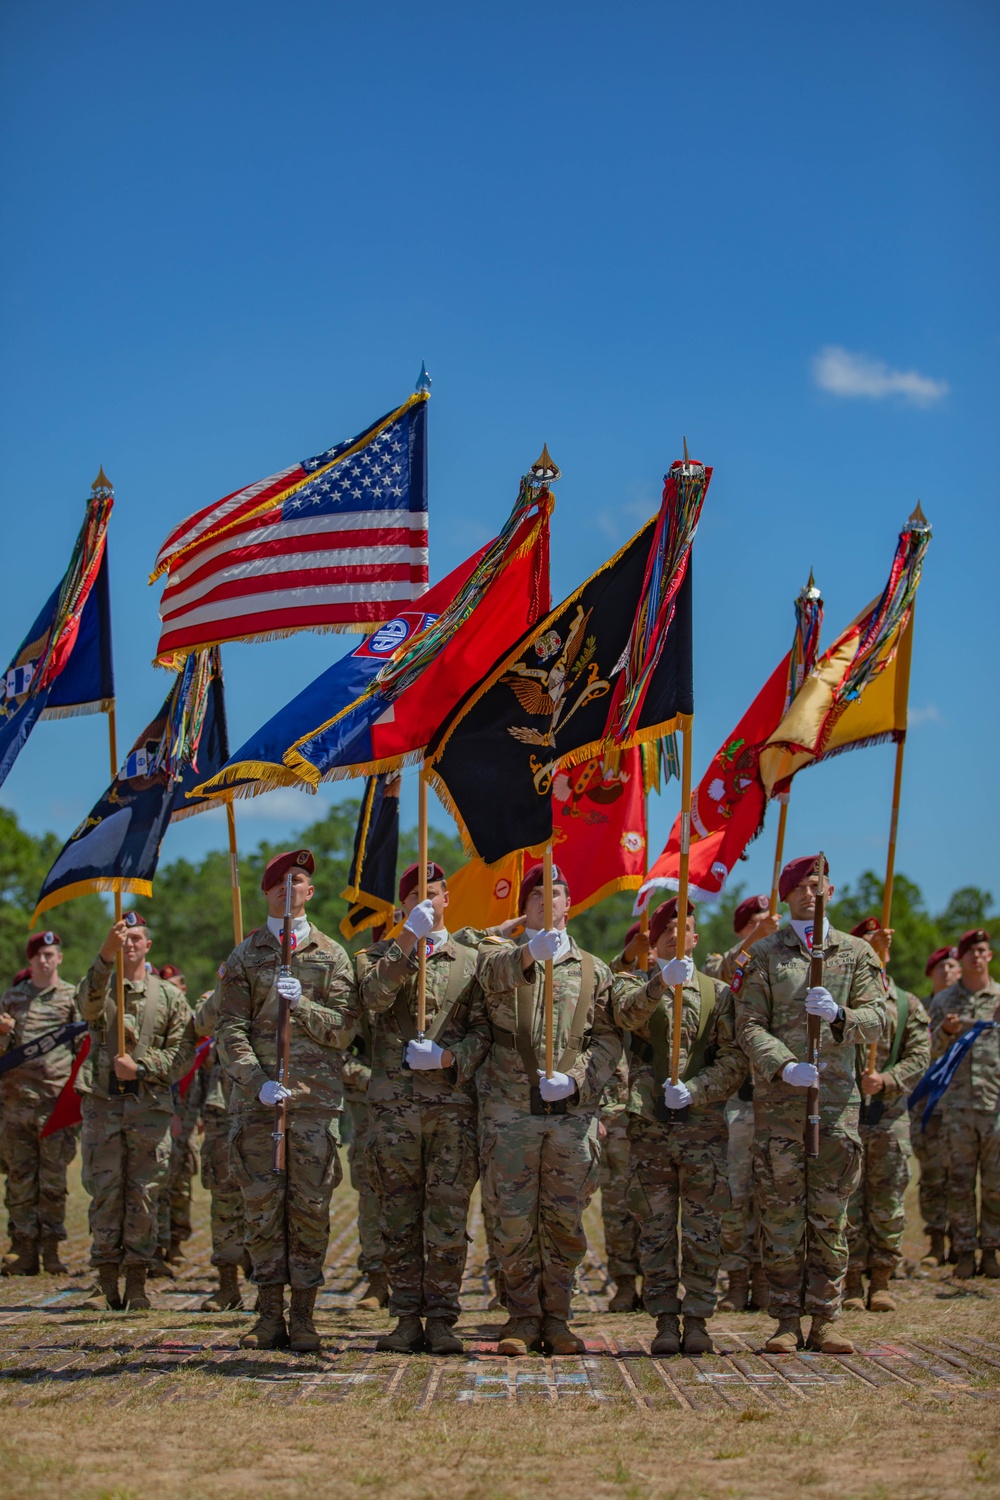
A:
[917,933]
[24,863]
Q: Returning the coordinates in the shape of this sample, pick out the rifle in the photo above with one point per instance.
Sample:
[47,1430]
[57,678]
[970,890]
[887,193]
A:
[283,1034]
[813,1024]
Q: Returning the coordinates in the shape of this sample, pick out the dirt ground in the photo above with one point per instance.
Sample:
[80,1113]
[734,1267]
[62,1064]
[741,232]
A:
[103,1406]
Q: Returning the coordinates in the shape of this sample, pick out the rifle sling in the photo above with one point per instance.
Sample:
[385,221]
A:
[459,975]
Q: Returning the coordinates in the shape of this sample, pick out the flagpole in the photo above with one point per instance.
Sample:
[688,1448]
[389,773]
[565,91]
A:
[234,874]
[422,896]
[682,895]
[549,1046]
[119,956]
[779,852]
[642,944]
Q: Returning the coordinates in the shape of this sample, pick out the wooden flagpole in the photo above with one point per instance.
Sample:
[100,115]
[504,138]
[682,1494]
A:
[422,896]
[119,956]
[779,853]
[549,1020]
[234,874]
[682,895]
[642,943]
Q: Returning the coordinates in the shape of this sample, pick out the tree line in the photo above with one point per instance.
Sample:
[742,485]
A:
[190,914]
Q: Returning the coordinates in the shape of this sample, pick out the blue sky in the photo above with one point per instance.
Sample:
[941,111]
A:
[234,231]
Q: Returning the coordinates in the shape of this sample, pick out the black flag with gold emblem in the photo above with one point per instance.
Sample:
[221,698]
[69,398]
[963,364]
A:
[371,884]
[552,699]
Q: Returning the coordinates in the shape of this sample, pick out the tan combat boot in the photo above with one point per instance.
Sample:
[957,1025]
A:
[302,1334]
[135,1299]
[989,1266]
[269,1331]
[227,1298]
[760,1292]
[786,1338]
[668,1335]
[964,1268]
[880,1299]
[854,1290]
[406,1338]
[23,1258]
[735,1299]
[441,1338]
[937,1255]
[51,1259]
[626,1298]
[107,1275]
[376,1293]
[697,1339]
[559,1338]
[824,1338]
[519,1336]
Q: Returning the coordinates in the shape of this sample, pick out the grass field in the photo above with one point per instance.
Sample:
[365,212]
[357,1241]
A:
[103,1406]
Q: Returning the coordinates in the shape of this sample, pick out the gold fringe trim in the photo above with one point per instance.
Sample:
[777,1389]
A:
[381,913]
[79,710]
[91,888]
[609,888]
[266,505]
[192,812]
[263,776]
[599,748]
[174,661]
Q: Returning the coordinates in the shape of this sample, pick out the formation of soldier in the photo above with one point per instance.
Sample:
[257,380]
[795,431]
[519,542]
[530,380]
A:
[700,1156]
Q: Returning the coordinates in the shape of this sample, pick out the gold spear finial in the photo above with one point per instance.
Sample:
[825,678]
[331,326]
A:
[686,455]
[102,482]
[918,518]
[543,470]
[810,591]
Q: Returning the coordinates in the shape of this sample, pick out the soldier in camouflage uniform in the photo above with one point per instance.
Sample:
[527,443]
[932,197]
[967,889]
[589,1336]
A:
[875,1215]
[752,920]
[803,1205]
[971,1107]
[679,1164]
[175,1201]
[541,1157]
[287,1215]
[928,1142]
[371,1250]
[422,1133]
[36,1167]
[621,1230]
[228,1253]
[126,1134]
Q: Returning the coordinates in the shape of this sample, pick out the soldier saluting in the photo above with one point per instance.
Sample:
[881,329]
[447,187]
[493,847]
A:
[287,1213]
[803,1205]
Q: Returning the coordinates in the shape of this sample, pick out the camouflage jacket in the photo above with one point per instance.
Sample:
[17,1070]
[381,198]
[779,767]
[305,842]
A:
[725,1066]
[218,1088]
[34,1011]
[170,1048]
[358,1062]
[771,1019]
[912,1062]
[723,965]
[976,1084]
[389,993]
[493,1019]
[322,1024]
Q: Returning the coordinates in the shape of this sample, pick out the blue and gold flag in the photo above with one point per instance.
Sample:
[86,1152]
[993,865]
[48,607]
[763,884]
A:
[371,885]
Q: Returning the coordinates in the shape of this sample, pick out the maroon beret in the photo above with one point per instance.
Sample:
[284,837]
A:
[170,971]
[748,909]
[408,881]
[134,919]
[631,935]
[293,859]
[971,938]
[798,870]
[866,928]
[534,877]
[937,956]
[42,940]
[661,916]
[21,974]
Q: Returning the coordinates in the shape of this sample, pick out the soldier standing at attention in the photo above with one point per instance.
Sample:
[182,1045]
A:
[803,1204]
[541,1157]
[287,1215]
[36,1169]
[971,1106]
[126,1106]
[422,1103]
[876,1216]
[679,1165]
[943,970]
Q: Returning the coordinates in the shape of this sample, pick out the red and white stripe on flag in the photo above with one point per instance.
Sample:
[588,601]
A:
[334,542]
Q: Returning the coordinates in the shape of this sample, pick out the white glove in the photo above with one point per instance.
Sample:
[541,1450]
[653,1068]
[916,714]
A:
[544,945]
[800,1075]
[273,1092]
[289,989]
[676,1095]
[560,1085]
[819,1002]
[421,920]
[423,1056]
[676,970]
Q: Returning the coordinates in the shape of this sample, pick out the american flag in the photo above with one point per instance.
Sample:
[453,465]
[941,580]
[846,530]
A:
[335,541]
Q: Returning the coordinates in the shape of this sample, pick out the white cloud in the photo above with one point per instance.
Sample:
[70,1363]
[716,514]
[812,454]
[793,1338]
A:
[283,802]
[918,716]
[842,373]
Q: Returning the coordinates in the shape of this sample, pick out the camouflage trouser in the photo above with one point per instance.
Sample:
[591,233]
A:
[679,1168]
[35,1197]
[424,1164]
[371,1252]
[489,1209]
[739,1222]
[973,1142]
[227,1200]
[803,1213]
[540,1172]
[929,1147]
[621,1232]
[875,1214]
[287,1215]
[175,1203]
[126,1155]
